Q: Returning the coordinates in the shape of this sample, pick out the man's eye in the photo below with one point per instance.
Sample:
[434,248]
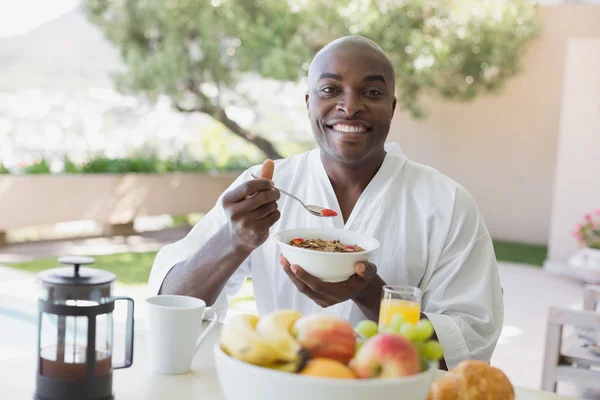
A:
[328,89]
[373,93]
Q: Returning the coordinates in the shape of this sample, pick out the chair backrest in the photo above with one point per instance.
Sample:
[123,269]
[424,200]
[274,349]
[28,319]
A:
[591,298]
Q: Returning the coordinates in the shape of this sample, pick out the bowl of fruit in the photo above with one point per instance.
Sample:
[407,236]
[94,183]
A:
[287,355]
[328,254]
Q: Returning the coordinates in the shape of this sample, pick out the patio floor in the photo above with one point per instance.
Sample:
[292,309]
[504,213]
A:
[528,292]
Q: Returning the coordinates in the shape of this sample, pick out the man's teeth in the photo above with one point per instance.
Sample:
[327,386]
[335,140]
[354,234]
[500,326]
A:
[349,128]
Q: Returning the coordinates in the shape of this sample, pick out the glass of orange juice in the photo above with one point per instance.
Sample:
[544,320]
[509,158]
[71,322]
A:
[397,299]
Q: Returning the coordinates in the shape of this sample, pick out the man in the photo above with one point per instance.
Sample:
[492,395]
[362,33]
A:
[431,233]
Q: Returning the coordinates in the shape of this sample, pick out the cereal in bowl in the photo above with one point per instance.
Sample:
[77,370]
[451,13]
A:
[329,246]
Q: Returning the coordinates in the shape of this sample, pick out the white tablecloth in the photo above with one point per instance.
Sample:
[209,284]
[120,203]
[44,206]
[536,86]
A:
[17,378]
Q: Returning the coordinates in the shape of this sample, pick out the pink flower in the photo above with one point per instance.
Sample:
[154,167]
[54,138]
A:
[578,236]
[597,212]
[588,217]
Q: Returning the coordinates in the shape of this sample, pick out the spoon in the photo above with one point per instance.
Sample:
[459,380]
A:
[314,210]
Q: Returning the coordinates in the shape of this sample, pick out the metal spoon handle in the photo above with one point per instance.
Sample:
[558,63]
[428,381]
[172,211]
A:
[292,196]
[284,192]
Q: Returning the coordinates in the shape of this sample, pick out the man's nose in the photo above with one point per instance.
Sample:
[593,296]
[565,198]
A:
[350,104]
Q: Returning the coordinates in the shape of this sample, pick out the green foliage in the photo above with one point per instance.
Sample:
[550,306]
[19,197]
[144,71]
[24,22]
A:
[172,47]
[456,49]
[152,164]
[236,163]
[179,220]
[3,169]
[39,167]
[69,166]
[149,164]
[121,165]
[197,51]
[179,164]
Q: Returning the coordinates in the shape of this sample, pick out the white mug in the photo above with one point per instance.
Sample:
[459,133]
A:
[174,324]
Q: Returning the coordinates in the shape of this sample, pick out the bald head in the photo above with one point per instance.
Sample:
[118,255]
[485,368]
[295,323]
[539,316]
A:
[358,45]
[350,101]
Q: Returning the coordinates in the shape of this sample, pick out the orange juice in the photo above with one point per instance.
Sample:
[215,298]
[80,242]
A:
[411,310]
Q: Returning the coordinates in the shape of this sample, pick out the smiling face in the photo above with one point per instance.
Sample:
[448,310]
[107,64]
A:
[351,101]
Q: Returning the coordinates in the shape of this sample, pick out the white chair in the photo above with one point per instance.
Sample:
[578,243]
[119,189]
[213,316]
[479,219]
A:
[565,358]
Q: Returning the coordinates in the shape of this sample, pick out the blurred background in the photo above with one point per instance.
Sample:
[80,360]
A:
[121,122]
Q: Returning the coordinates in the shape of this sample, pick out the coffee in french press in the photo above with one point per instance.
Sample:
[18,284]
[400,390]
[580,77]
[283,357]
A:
[75,332]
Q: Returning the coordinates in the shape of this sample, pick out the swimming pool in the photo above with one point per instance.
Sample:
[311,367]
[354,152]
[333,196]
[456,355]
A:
[18,333]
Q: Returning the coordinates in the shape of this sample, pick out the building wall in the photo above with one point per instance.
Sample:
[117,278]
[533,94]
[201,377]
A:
[577,187]
[503,148]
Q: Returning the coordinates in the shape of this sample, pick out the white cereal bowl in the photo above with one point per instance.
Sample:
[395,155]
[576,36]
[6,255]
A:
[328,267]
[242,381]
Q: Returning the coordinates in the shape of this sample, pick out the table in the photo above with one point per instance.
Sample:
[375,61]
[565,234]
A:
[17,377]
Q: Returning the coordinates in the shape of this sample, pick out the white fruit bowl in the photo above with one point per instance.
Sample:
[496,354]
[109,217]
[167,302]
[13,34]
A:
[328,267]
[242,381]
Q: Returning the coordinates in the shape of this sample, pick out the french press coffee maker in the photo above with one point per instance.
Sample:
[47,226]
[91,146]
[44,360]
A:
[75,332]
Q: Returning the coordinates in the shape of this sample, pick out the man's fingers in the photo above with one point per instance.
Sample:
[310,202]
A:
[246,189]
[365,269]
[252,203]
[283,261]
[267,169]
[262,211]
[303,288]
[313,283]
[268,221]
[261,198]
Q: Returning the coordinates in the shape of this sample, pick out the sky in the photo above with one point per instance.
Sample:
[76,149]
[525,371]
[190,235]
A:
[22,16]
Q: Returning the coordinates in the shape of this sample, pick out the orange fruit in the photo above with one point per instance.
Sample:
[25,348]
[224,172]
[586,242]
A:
[327,368]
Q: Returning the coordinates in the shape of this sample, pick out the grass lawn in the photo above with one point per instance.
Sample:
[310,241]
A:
[134,268]
[520,253]
[130,268]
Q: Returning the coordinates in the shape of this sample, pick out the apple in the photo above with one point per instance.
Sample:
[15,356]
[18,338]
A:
[326,336]
[386,355]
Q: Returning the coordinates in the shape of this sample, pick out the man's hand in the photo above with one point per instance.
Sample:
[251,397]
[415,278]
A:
[251,210]
[327,294]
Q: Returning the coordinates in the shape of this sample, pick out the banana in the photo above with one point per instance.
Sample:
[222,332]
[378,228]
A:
[284,367]
[276,328]
[240,340]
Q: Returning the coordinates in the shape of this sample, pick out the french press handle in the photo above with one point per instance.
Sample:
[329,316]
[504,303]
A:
[129,334]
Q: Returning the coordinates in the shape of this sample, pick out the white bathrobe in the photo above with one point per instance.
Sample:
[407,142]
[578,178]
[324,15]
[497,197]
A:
[431,234]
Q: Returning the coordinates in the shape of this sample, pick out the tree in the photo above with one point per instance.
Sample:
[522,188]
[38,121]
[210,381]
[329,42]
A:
[456,49]
[196,51]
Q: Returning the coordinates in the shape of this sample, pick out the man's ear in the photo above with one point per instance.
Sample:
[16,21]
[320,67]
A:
[393,106]
[306,100]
